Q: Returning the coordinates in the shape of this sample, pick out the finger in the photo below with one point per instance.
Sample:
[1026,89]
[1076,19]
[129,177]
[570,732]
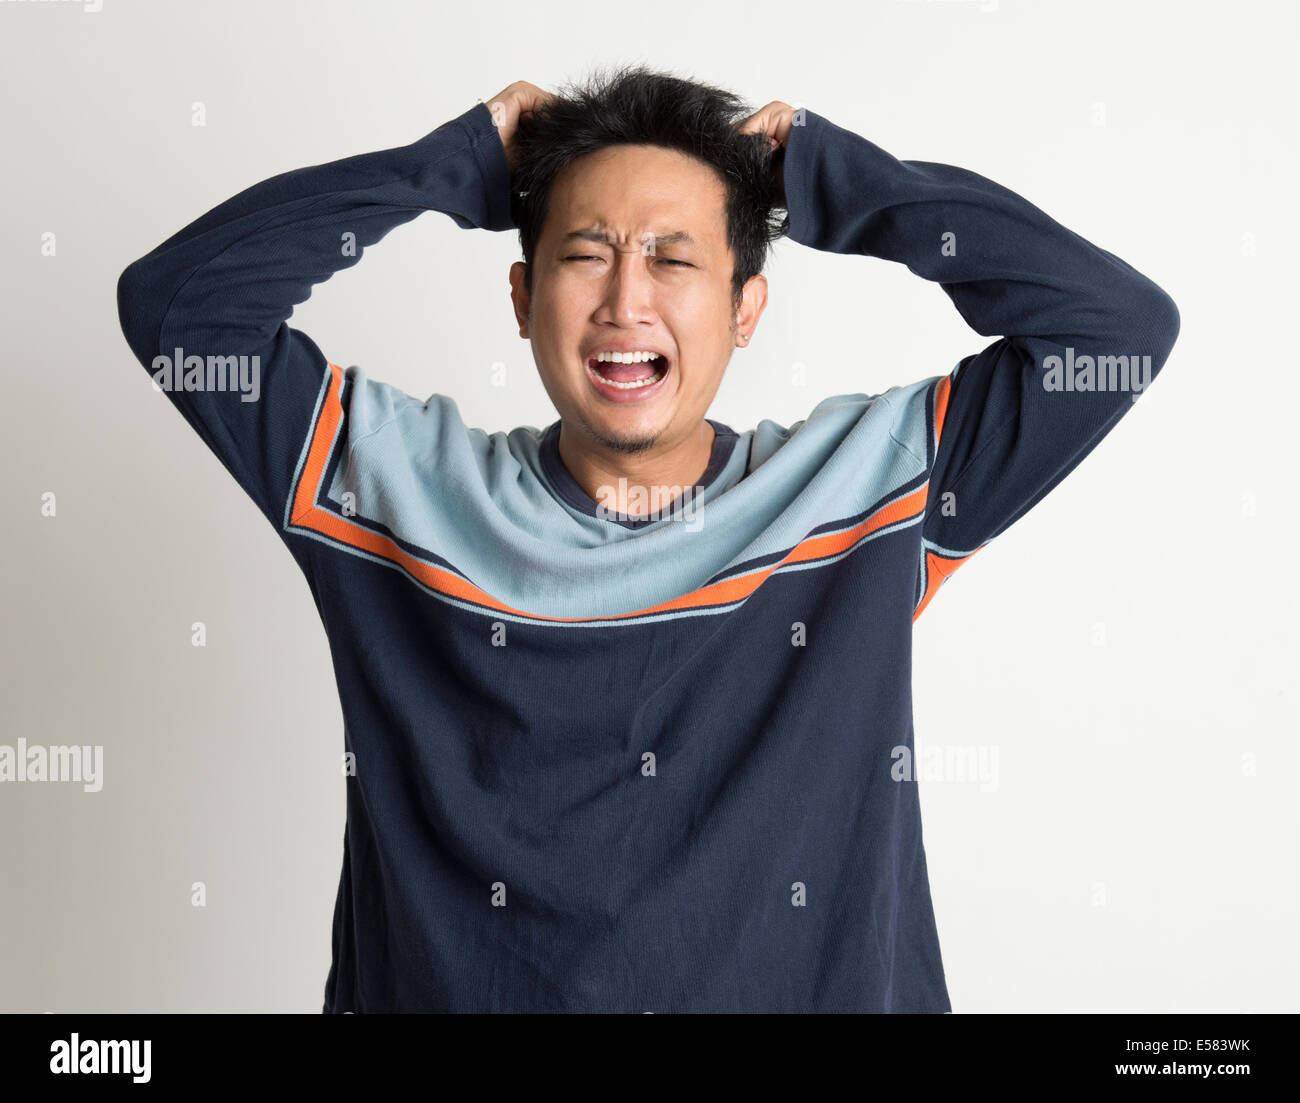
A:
[768,115]
[752,123]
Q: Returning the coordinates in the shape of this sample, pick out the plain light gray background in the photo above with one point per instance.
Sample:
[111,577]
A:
[1128,649]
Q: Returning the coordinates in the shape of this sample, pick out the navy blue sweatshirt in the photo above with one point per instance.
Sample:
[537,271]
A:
[613,765]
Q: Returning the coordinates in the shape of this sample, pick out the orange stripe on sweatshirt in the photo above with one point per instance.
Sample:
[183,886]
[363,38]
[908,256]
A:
[941,395]
[937,569]
[306,514]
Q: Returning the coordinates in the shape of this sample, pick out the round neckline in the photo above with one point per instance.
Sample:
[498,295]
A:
[567,487]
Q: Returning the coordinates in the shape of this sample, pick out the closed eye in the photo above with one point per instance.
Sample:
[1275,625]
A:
[663,260]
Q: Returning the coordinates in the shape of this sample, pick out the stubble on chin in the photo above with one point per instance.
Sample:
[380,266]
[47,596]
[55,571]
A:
[624,445]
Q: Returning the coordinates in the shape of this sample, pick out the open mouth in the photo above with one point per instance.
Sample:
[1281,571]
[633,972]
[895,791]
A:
[627,380]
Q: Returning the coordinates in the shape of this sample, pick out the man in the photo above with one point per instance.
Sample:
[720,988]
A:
[626,695]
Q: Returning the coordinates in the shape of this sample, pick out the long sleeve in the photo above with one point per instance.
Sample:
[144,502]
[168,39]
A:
[1078,325]
[205,312]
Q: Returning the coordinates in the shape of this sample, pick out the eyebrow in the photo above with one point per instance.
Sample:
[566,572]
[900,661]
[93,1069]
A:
[601,237]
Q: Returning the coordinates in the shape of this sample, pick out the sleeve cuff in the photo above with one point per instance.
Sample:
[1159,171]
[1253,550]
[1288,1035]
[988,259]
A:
[801,149]
[490,156]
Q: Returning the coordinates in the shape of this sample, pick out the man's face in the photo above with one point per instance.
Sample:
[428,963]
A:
[634,256]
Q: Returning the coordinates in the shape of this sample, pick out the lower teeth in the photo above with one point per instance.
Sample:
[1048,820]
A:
[636,383]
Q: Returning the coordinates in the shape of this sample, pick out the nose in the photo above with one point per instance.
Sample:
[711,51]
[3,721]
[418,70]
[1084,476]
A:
[629,290]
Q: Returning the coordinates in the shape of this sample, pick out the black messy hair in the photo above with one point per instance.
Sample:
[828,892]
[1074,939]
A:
[634,105]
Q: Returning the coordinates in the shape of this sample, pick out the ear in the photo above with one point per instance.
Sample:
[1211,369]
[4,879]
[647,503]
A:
[753,300]
[519,296]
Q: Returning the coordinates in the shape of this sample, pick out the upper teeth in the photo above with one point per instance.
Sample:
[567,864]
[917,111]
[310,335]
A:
[625,357]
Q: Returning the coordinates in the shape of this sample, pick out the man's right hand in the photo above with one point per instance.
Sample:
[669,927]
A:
[775,121]
[508,105]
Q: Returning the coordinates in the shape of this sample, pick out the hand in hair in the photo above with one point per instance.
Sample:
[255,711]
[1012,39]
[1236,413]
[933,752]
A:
[774,122]
[507,106]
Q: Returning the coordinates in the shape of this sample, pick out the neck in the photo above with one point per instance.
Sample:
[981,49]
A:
[641,484]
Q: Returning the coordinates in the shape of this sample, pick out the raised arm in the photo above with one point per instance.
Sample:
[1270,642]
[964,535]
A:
[1083,333]
[219,291]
